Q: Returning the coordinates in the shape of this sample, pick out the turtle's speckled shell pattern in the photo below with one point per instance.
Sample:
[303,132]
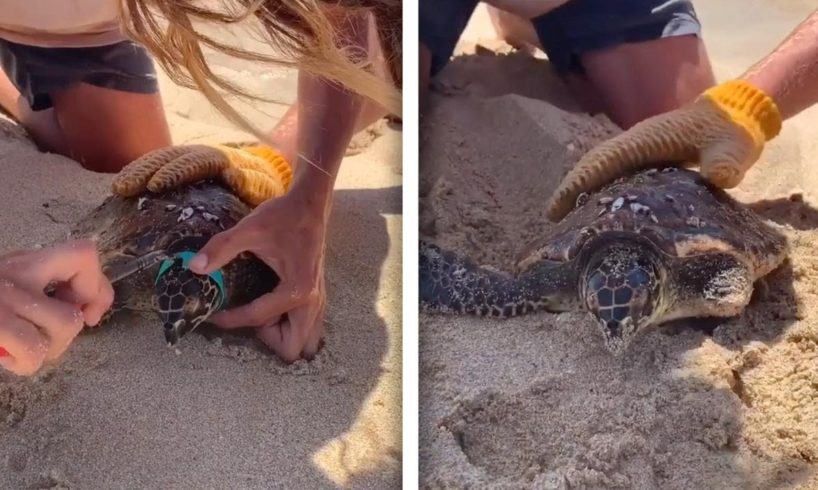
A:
[178,220]
[677,210]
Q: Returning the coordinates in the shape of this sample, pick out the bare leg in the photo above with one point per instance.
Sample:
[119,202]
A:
[106,129]
[639,80]
[41,125]
[520,34]
[516,31]
[283,135]
[102,129]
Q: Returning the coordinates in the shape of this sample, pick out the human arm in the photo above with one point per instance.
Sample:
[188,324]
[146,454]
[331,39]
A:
[35,328]
[325,128]
[286,230]
[289,233]
[790,73]
[723,131]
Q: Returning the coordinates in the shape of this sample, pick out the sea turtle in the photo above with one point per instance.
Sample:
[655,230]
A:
[179,222]
[649,248]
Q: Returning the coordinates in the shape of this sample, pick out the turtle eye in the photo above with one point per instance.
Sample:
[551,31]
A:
[596,282]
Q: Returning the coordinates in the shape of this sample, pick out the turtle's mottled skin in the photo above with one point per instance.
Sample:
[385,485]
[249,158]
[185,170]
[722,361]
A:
[650,248]
[124,228]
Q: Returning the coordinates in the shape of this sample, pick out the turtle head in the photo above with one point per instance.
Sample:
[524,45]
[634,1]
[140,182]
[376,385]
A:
[185,299]
[621,288]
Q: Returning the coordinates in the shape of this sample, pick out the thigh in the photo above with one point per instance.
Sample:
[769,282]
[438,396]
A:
[639,80]
[642,57]
[513,29]
[105,129]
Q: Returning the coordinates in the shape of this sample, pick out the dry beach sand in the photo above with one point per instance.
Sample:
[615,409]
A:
[123,411]
[537,402]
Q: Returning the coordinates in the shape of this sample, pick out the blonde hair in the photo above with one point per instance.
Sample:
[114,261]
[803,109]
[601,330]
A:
[301,32]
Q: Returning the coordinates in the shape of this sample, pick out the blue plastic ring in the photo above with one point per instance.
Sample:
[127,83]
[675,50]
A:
[186,256]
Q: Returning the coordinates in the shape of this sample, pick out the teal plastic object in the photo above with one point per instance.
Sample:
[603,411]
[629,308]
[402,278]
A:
[186,256]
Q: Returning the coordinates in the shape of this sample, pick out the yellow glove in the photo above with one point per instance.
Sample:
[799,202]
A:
[723,131]
[254,172]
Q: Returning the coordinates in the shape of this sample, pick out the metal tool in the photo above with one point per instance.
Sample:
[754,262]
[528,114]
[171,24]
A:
[118,272]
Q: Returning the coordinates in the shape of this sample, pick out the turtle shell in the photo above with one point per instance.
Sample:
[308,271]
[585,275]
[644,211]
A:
[676,210]
[180,220]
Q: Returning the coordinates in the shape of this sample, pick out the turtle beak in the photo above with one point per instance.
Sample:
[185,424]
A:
[175,330]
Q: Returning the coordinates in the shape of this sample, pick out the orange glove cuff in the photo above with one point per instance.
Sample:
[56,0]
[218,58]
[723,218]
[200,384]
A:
[747,106]
[262,159]
[276,160]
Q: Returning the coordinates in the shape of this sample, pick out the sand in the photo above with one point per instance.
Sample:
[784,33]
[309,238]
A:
[537,402]
[121,410]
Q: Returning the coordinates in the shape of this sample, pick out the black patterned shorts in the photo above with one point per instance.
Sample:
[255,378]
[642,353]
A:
[38,72]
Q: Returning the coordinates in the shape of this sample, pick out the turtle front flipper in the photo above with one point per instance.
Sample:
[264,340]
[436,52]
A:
[450,283]
[123,291]
[711,285]
[106,317]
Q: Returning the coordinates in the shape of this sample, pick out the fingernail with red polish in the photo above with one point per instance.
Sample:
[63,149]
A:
[3,352]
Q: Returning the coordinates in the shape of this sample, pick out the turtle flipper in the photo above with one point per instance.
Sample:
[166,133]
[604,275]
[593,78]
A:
[450,283]
[106,317]
[122,292]
[712,285]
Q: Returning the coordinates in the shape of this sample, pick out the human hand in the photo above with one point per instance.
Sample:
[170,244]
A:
[288,234]
[723,131]
[35,328]
[255,173]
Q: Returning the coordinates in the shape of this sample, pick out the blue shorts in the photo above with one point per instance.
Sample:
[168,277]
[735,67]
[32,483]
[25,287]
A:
[568,31]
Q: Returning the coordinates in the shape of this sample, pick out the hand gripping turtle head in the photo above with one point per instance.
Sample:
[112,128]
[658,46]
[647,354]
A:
[172,226]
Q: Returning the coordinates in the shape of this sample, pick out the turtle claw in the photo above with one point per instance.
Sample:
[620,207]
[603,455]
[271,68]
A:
[106,317]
